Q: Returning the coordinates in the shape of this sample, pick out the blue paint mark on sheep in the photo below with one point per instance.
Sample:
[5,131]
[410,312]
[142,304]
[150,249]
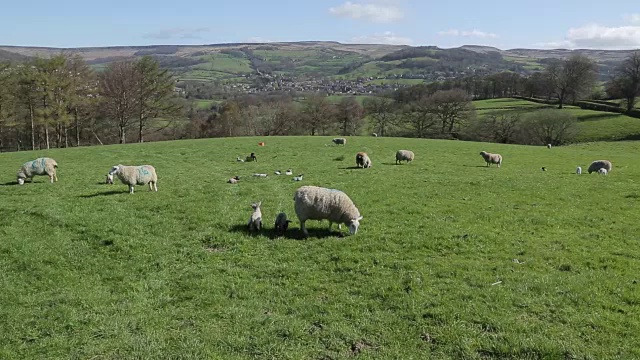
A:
[142,171]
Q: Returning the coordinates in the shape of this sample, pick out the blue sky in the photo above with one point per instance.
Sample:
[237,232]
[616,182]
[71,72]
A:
[614,24]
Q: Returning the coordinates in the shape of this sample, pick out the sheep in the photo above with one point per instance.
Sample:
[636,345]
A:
[238,159]
[340,141]
[255,220]
[260,175]
[234,180]
[317,203]
[602,171]
[281,223]
[578,170]
[404,155]
[109,179]
[297,178]
[543,168]
[288,172]
[278,172]
[252,157]
[362,160]
[600,164]
[39,166]
[548,146]
[136,175]
[491,158]
[374,135]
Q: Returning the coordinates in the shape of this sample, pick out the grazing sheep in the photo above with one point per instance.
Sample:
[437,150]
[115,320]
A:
[252,157]
[548,146]
[602,171]
[491,158]
[578,170]
[238,159]
[288,172]
[136,175]
[340,141]
[255,220]
[317,203]
[297,178]
[281,224]
[278,172]
[234,180]
[39,166]
[404,155]
[374,135]
[362,160]
[109,179]
[544,168]
[600,164]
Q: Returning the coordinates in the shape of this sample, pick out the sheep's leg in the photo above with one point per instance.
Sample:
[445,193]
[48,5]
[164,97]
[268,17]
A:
[51,179]
[304,229]
[55,176]
[130,189]
[155,186]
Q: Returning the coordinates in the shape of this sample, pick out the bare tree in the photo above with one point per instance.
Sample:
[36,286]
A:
[625,83]
[500,127]
[382,113]
[8,99]
[317,113]
[572,77]
[119,98]
[550,126]
[348,115]
[418,117]
[82,93]
[451,108]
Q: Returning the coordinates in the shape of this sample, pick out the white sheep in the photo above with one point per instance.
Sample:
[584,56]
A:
[281,223]
[288,172]
[578,170]
[260,175]
[602,171]
[255,220]
[404,155]
[340,141]
[491,158]
[374,135]
[297,178]
[136,175]
[238,159]
[234,180]
[600,164]
[363,160]
[39,166]
[548,146]
[317,203]
[278,172]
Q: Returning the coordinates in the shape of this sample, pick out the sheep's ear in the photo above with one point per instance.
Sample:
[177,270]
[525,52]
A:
[359,218]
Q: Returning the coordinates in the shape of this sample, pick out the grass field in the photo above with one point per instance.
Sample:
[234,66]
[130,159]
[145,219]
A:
[452,260]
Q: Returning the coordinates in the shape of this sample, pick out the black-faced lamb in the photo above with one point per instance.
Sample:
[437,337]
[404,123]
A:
[252,157]
[404,155]
[255,220]
[39,166]
[578,170]
[317,203]
[340,141]
[490,158]
[136,175]
[281,224]
[363,160]
[602,171]
[600,164]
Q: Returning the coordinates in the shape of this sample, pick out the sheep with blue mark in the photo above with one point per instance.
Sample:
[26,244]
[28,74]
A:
[136,175]
[39,166]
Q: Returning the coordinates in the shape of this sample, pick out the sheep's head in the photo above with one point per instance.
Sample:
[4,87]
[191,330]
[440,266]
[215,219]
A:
[109,179]
[256,206]
[354,224]
[483,153]
[20,177]
[115,169]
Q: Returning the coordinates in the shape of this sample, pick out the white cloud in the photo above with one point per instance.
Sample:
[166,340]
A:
[472,33]
[595,36]
[379,11]
[387,37]
[633,18]
[177,33]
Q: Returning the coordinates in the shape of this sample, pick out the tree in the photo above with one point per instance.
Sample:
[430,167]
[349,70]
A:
[155,94]
[83,91]
[381,111]
[418,117]
[28,94]
[625,83]
[119,95]
[8,99]
[500,127]
[451,108]
[572,77]
[550,127]
[317,113]
[348,115]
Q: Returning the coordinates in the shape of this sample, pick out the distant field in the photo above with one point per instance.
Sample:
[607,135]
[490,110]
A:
[453,260]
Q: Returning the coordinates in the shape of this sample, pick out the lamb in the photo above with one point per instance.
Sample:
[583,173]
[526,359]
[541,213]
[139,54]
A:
[238,159]
[234,180]
[340,141]
[600,164]
[281,224]
[548,146]
[578,170]
[404,155]
[374,135]
[602,171]
[278,172]
[109,179]
[297,178]
[491,158]
[288,172]
[260,175]
[136,175]
[252,157]
[255,220]
[362,160]
[39,166]
[317,203]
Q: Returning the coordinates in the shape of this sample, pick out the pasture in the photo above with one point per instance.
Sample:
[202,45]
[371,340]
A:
[452,259]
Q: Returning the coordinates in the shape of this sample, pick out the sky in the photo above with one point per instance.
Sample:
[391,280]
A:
[543,24]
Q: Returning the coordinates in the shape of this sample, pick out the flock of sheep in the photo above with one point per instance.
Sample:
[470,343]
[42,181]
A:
[310,202]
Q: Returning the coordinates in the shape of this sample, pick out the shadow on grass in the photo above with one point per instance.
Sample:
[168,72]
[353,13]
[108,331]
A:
[393,164]
[350,168]
[10,183]
[596,117]
[106,193]
[476,166]
[291,233]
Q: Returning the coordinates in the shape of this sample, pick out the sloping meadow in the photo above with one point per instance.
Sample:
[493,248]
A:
[452,259]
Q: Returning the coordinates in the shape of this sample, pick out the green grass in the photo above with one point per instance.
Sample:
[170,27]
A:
[91,272]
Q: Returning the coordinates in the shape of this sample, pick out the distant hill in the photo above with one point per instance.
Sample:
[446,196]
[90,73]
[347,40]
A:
[238,62]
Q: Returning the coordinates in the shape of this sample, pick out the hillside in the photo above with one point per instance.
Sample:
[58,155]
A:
[243,62]
[452,259]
